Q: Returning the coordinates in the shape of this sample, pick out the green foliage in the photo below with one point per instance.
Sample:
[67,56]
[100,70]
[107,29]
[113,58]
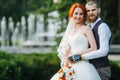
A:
[112,20]
[18,8]
[8,67]
[28,66]
[115,69]
[36,66]
[13,8]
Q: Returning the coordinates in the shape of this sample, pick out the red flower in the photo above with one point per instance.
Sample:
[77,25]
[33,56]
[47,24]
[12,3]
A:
[66,73]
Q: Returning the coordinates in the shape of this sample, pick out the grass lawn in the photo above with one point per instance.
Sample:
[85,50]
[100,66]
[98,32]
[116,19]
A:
[118,62]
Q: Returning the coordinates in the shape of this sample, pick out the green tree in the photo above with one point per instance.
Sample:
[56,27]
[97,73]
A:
[13,8]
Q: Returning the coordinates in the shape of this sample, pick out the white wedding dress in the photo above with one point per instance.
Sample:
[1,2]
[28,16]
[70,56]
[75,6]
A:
[83,69]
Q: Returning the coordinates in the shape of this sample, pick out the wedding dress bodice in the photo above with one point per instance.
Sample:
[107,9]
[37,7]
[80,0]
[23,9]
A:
[78,42]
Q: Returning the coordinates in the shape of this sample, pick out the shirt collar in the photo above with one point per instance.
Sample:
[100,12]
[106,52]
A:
[93,24]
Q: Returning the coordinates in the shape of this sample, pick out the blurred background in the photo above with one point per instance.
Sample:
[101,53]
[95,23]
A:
[26,22]
[36,27]
[38,23]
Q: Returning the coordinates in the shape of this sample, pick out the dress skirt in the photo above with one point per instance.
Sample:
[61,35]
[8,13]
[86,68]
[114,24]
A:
[83,71]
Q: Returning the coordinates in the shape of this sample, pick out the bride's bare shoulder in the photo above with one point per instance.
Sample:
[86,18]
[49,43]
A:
[87,28]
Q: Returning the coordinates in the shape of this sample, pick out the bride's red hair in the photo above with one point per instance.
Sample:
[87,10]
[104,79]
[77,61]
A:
[77,5]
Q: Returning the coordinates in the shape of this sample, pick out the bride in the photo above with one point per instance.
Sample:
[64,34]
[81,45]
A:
[78,39]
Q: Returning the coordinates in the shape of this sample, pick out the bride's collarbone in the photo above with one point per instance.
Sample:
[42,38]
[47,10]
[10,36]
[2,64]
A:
[78,31]
[74,33]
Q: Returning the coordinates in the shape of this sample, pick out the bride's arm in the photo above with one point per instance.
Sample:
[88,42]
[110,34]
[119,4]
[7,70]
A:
[92,43]
[66,55]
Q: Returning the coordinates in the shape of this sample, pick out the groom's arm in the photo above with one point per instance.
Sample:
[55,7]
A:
[104,38]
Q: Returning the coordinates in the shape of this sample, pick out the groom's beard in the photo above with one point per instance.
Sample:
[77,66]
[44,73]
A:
[92,18]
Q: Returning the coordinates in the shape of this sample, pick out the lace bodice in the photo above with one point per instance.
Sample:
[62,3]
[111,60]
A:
[78,42]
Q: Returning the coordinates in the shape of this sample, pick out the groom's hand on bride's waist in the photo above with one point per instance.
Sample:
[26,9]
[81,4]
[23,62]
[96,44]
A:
[75,58]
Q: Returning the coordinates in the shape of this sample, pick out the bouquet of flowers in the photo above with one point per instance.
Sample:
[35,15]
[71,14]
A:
[66,73]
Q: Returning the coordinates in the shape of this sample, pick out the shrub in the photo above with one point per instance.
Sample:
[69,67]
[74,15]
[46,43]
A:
[28,66]
[35,66]
[115,69]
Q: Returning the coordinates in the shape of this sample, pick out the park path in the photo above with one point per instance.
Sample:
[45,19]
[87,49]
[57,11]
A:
[114,57]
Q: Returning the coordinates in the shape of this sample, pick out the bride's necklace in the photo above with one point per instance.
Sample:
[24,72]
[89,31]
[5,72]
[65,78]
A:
[75,29]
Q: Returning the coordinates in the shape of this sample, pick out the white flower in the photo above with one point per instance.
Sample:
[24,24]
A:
[69,73]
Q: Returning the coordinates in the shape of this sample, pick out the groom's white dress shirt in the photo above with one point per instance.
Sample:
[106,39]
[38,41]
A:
[104,34]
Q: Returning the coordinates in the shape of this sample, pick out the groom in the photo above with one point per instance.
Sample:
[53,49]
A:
[102,33]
